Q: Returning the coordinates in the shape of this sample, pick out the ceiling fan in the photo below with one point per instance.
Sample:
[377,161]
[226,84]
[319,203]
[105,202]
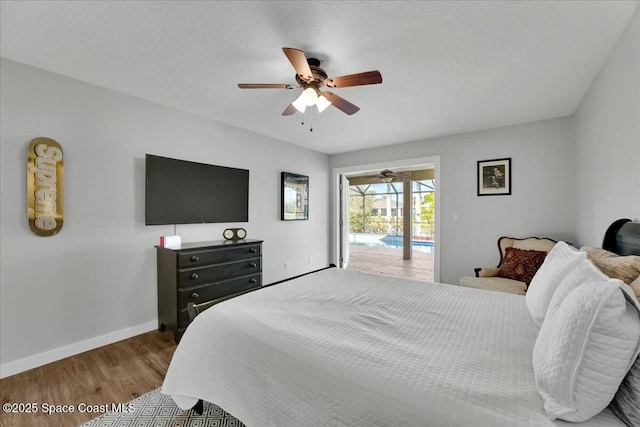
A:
[311,78]
[387,175]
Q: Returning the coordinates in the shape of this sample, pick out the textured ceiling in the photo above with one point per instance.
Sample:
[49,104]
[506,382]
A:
[448,67]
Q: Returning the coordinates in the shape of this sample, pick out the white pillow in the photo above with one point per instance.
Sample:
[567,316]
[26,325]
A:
[584,272]
[587,343]
[558,263]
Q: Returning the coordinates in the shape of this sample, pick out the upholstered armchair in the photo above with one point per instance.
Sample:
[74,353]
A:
[519,260]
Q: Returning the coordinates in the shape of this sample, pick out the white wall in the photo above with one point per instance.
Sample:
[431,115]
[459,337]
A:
[542,201]
[95,282]
[607,129]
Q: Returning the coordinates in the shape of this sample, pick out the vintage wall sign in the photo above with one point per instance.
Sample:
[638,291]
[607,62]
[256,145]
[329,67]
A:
[45,186]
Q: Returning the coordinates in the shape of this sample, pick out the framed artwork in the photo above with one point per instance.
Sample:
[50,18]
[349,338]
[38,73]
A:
[494,177]
[294,197]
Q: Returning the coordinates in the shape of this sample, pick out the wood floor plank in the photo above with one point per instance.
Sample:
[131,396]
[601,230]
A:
[116,373]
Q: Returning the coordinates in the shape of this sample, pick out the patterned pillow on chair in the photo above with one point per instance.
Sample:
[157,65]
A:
[522,265]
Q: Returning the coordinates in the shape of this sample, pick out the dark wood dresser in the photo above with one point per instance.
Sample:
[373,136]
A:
[204,272]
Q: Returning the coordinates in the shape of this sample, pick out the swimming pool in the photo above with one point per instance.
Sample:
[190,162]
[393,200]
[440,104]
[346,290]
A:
[383,240]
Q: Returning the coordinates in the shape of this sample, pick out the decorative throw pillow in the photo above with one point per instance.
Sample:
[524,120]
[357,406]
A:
[625,268]
[626,403]
[556,266]
[587,343]
[521,265]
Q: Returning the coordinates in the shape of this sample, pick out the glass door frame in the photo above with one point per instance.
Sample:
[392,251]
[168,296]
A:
[337,242]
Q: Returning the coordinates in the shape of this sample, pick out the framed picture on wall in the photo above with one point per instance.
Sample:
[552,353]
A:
[494,177]
[294,197]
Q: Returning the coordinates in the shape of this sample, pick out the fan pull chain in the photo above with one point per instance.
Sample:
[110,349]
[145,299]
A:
[310,120]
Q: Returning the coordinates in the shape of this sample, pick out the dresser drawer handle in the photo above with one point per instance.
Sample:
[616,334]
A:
[253,264]
[253,250]
[194,258]
[194,276]
[195,295]
[253,281]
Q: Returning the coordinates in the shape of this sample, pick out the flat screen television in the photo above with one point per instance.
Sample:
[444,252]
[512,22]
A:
[184,192]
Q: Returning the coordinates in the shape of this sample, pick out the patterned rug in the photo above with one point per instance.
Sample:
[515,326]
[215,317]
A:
[155,409]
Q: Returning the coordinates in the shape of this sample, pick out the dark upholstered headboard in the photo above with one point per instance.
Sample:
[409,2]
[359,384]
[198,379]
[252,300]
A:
[623,237]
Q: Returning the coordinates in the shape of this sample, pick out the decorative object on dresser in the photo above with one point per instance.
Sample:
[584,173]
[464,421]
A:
[203,274]
[170,241]
[234,233]
[294,197]
[494,177]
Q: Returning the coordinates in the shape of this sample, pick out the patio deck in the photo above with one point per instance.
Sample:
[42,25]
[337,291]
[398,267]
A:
[381,260]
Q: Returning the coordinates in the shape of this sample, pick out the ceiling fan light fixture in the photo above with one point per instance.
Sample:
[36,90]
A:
[300,104]
[309,96]
[386,179]
[322,103]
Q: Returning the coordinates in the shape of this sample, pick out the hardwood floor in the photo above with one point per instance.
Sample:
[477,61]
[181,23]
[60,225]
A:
[116,373]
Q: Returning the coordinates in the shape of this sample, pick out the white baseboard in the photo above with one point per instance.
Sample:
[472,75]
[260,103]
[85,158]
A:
[21,365]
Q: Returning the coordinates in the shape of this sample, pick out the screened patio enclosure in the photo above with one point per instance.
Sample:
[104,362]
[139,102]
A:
[392,220]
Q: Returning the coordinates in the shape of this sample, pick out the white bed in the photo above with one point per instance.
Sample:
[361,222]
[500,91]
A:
[340,348]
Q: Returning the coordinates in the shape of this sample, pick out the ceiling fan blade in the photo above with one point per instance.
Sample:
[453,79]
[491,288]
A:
[341,103]
[299,62]
[359,79]
[289,110]
[264,86]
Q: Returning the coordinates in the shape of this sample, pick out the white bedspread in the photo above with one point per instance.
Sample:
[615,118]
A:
[340,348]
